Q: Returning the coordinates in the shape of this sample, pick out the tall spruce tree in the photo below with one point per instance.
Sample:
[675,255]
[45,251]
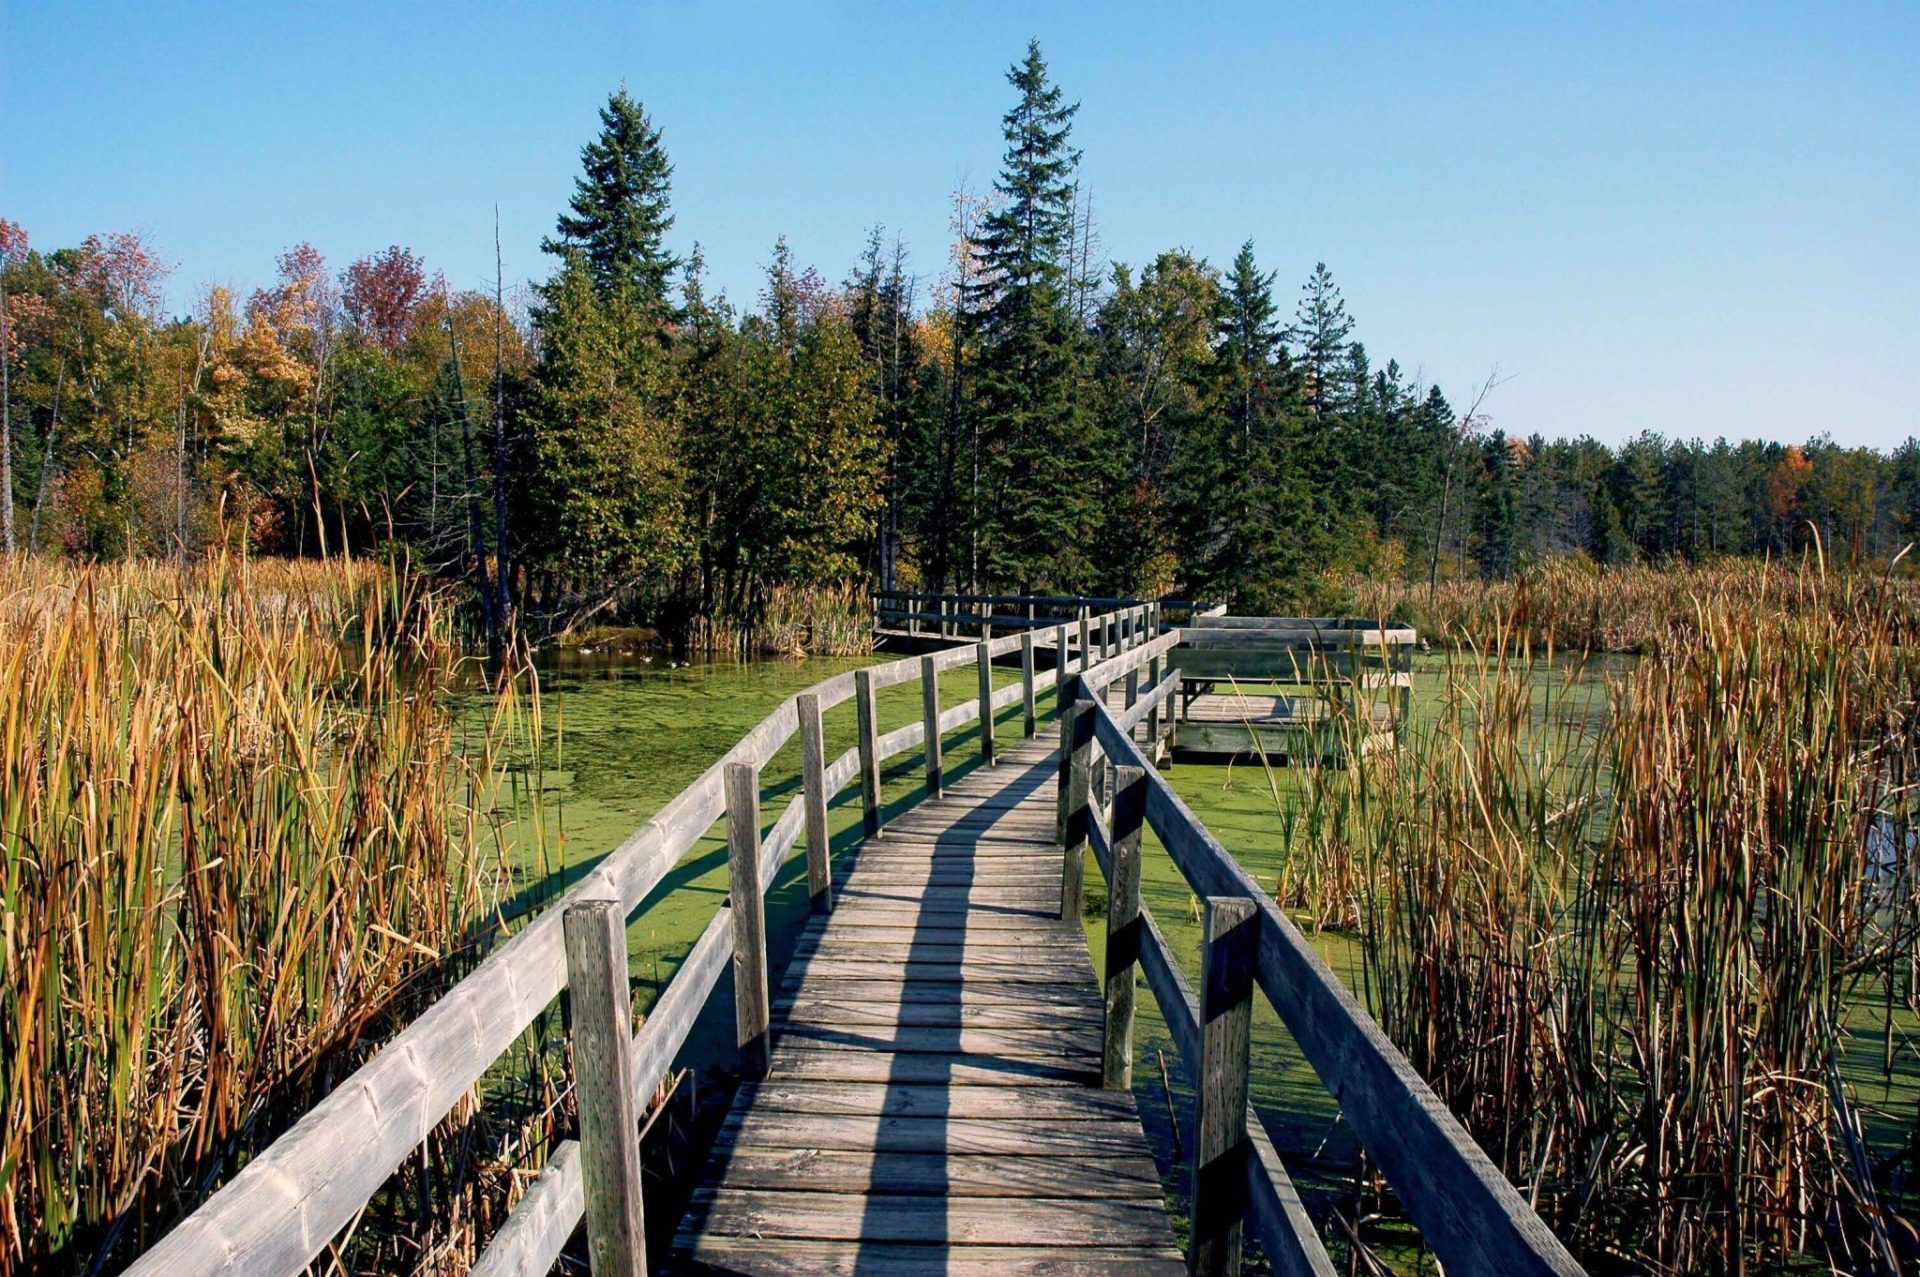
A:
[620,212]
[1038,519]
[1319,334]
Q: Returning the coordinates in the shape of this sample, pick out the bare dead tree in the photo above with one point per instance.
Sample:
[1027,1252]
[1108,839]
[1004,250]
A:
[502,587]
[1470,424]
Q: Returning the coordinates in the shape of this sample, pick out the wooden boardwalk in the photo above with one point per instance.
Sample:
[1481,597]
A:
[933,1103]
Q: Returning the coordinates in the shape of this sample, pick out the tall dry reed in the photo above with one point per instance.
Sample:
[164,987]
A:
[1625,940]
[238,837]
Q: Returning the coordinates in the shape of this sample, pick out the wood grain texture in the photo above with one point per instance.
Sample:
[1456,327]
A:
[933,1101]
[744,898]
[596,935]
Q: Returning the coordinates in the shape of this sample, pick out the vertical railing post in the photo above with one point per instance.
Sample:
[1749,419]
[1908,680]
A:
[595,932]
[1220,1144]
[1076,761]
[1086,661]
[1123,926]
[1153,710]
[1030,719]
[813,782]
[930,716]
[944,630]
[984,657]
[750,1012]
[1062,662]
[1133,686]
[867,711]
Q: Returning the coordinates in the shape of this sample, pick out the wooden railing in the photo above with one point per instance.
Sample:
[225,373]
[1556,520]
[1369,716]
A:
[950,615]
[1468,1213]
[299,1195]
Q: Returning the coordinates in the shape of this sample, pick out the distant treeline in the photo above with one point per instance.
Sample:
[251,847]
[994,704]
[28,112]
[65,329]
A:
[623,440]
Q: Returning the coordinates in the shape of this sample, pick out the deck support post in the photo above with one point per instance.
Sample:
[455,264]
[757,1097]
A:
[750,1010]
[867,712]
[596,944]
[1220,1143]
[813,780]
[984,656]
[1076,774]
[1153,711]
[930,716]
[1030,719]
[1123,926]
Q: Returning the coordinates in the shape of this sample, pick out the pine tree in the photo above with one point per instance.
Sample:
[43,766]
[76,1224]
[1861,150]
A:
[1039,514]
[1320,330]
[620,211]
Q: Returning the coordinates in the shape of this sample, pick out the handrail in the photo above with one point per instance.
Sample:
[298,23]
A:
[1468,1213]
[288,1203]
[1279,1218]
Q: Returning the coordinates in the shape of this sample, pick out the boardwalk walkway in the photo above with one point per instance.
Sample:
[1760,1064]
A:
[934,1103]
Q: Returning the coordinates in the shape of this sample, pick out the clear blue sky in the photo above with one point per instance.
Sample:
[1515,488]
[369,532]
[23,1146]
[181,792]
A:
[1700,220]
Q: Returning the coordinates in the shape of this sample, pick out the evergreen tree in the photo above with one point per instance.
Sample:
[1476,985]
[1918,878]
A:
[620,214]
[1039,514]
[1319,334]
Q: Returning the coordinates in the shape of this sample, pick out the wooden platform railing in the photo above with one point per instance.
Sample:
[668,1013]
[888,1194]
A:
[299,1195]
[948,615]
[1468,1213]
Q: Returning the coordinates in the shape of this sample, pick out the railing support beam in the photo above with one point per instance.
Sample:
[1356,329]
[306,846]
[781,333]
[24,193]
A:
[1220,1144]
[1076,775]
[1030,719]
[750,1009]
[930,717]
[867,712]
[596,944]
[1123,927]
[813,780]
[983,656]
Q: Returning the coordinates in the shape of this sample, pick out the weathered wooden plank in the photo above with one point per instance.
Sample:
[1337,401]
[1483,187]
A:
[922,985]
[827,1013]
[842,1171]
[1220,1146]
[749,917]
[874,1099]
[930,722]
[1029,712]
[798,1059]
[1123,927]
[789,1258]
[958,1221]
[538,1228]
[984,658]
[596,935]
[1054,1041]
[927,921]
[813,773]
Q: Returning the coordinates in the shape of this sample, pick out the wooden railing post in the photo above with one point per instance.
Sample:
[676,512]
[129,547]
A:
[596,944]
[1061,663]
[813,780]
[1220,1144]
[1085,651]
[1030,716]
[930,715]
[984,657]
[1153,711]
[1076,761]
[867,711]
[1123,926]
[750,1012]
